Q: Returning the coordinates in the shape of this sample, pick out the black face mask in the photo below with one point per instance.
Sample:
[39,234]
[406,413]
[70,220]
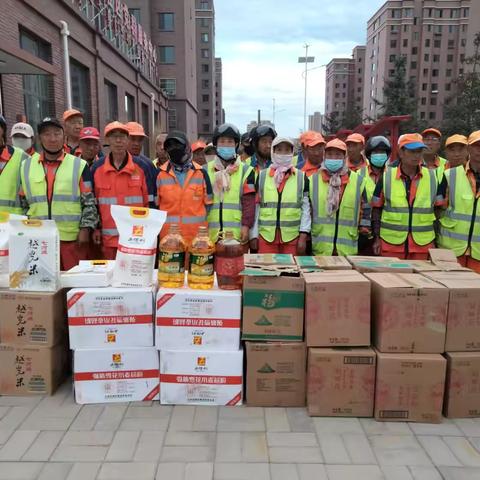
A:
[178,155]
[249,150]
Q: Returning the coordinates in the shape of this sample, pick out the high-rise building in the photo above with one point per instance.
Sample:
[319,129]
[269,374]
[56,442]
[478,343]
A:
[315,122]
[220,112]
[434,36]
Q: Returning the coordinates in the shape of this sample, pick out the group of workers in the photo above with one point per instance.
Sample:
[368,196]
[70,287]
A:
[332,198]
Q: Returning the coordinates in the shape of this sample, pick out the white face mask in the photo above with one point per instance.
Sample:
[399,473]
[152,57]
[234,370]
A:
[282,160]
[22,143]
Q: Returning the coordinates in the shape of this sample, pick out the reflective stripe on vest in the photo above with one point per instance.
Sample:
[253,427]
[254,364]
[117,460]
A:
[460,224]
[287,218]
[344,222]
[10,180]
[398,219]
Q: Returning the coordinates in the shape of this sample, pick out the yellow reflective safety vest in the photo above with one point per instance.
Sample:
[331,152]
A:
[227,215]
[460,225]
[10,182]
[280,210]
[398,218]
[339,231]
[64,207]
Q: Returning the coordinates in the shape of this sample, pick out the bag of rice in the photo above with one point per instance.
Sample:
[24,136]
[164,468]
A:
[138,229]
[4,233]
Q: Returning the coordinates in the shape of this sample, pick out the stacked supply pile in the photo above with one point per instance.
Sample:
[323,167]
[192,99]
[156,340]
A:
[33,349]
[273,305]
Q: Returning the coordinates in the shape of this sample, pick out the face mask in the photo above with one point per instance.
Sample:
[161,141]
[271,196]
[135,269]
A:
[227,153]
[22,142]
[333,164]
[178,155]
[378,159]
[282,160]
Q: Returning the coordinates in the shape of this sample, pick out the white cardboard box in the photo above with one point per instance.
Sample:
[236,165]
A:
[88,273]
[110,317]
[188,319]
[116,375]
[201,378]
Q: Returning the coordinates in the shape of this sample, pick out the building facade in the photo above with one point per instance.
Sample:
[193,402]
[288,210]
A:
[113,70]
[220,112]
[315,122]
[339,78]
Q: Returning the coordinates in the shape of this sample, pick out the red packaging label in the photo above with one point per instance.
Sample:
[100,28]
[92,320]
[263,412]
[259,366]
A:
[229,267]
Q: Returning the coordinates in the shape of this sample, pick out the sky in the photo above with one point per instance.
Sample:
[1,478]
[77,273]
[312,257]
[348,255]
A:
[260,41]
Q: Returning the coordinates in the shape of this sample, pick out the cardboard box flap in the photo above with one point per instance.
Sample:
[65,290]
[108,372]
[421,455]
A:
[410,357]
[361,258]
[403,280]
[268,259]
[455,280]
[334,276]
[324,262]
[270,271]
[442,255]
[462,355]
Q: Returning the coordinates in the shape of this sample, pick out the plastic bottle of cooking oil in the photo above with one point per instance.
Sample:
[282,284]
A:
[171,259]
[229,262]
[200,265]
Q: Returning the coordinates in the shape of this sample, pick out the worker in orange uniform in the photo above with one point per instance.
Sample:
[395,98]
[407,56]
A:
[313,152]
[89,143]
[403,202]
[356,160]
[58,186]
[118,179]
[184,190]
[198,151]
[432,137]
[456,151]
[73,122]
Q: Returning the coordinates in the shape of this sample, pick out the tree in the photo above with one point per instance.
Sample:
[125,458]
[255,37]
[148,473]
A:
[332,123]
[352,117]
[461,111]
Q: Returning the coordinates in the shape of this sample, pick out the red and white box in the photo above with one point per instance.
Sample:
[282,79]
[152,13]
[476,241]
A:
[110,317]
[116,375]
[188,319]
[201,378]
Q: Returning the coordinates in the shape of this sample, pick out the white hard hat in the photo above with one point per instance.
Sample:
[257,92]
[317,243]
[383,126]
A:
[22,129]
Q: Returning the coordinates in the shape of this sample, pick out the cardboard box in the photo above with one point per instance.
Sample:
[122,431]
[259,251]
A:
[410,387]
[380,264]
[340,382]
[207,378]
[189,319]
[276,374]
[266,259]
[89,274]
[462,388]
[273,306]
[30,318]
[445,260]
[29,370]
[111,317]
[463,319]
[337,309]
[34,255]
[323,263]
[108,375]
[409,313]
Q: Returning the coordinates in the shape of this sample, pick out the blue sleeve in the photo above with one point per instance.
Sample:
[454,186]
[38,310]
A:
[151,178]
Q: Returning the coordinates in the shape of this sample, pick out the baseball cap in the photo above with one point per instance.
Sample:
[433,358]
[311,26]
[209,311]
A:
[435,131]
[411,141]
[135,129]
[462,139]
[336,143]
[304,136]
[71,113]
[474,137]
[89,133]
[23,129]
[178,136]
[199,145]
[314,138]
[115,126]
[356,138]
[48,122]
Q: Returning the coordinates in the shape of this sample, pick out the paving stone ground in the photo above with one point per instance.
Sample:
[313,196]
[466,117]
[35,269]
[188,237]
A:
[52,438]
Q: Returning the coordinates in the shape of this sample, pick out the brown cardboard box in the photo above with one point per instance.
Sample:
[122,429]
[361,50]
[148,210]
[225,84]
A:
[26,370]
[337,309]
[463,319]
[409,313]
[379,264]
[445,260]
[31,318]
[340,382]
[273,306]
[276,374]
[462,389]
[409,387]
[323,262]
[265,259]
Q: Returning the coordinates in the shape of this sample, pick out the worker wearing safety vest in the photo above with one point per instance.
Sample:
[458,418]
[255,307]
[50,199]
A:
[432,138]
[183,188]
[10,161]
[403,204]
[356,159]
[335,195]
[460,223]
[261,137]
[118,179]
[55,185]
[233,184]
[313,152]
[23,137]
[456,151]
[282,220]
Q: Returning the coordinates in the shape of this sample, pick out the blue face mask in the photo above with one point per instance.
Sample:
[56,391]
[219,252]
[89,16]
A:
[226,153]
[333,164]
[378,159]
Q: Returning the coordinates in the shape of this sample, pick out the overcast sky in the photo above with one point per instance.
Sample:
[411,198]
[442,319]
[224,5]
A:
[260,42]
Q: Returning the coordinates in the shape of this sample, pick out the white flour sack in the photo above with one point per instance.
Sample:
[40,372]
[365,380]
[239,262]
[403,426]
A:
[138,229]
[5,217]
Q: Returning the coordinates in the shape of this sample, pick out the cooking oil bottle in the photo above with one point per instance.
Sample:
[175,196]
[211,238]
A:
[229,262]
[171,259]
[200,265]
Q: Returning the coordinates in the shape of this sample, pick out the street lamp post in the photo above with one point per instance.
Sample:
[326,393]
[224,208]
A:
[306,60]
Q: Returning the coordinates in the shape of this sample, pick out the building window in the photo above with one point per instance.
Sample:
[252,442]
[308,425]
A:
[405,42]
[205,67]
[426,57]
[204,5]
[111,101]
[448,87]
[424,86]
[451,44]
[448,72]
[205,112]
[169,85]
[436,58]
[204,22]
[432,115]
[205,38]
[393,29]
[437,43]
[205,98]
[463,42]
[425,72]
[424,101]
[393,44]
[392,58]
[433,101]
[413,65]
[166,22]
[435,87]
[427,43]
[130,107]
[172,118]
[391,73]
[396,13]
[205,53]
[422,115]
[166,54]
[437,29]
[407,12]
[206,127]
[80,78]
[414,50]
[466,12]
[449,58]
[135,12]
